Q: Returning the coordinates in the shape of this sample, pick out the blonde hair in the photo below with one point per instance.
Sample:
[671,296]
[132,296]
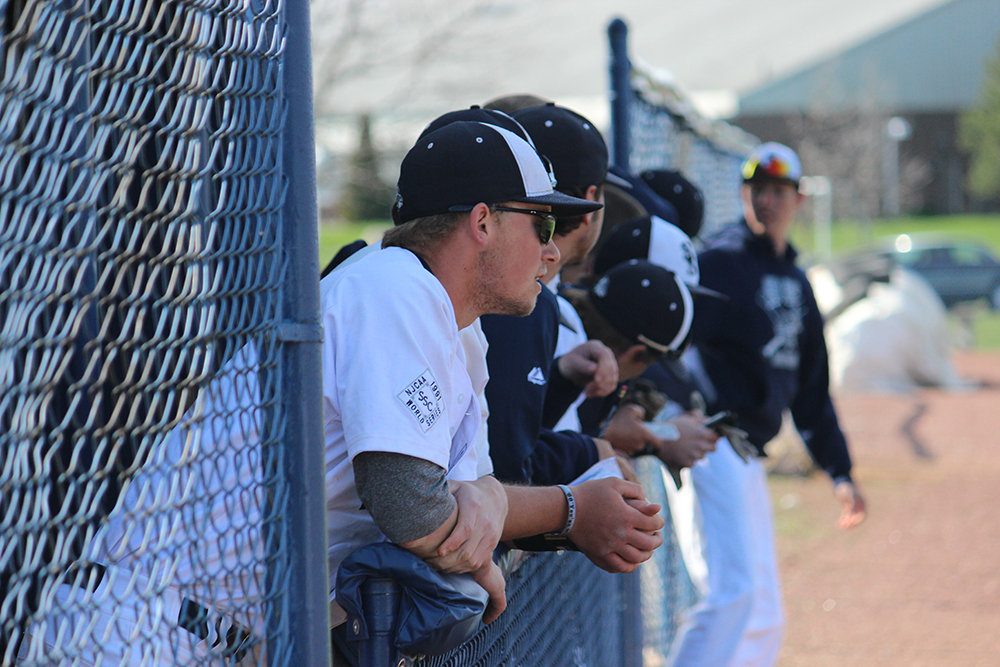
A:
[423,234]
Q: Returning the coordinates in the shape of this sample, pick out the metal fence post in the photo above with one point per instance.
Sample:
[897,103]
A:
[380,601]
[631,615]
[301,364]
[620,91]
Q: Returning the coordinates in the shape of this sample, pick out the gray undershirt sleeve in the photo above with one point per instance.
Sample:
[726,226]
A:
[407,497]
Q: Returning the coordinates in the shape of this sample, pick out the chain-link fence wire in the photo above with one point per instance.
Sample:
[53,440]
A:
[140,148]
[655,126]
[667,592]
[561,610]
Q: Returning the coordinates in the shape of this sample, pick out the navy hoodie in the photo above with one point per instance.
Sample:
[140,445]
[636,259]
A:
[763,350]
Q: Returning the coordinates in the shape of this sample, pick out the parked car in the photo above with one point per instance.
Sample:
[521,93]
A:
[959,270]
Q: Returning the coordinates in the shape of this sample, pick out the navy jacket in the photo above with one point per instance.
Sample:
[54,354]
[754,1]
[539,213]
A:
[519,358]
[763,350]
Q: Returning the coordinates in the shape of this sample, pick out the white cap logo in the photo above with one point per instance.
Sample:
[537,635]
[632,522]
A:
[671,248]
[601,288]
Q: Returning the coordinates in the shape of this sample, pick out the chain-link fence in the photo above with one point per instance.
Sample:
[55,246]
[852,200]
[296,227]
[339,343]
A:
[562,610]
[146,444]
[655,126]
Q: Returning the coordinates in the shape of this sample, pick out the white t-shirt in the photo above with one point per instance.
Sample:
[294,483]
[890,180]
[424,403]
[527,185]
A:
[566,340]
[475,344]
[474,341]
[394,380]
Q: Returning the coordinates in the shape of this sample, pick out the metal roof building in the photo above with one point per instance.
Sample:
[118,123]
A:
[933,62]
[838,112]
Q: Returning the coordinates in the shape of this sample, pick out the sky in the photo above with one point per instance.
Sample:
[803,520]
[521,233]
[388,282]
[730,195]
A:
[416,59]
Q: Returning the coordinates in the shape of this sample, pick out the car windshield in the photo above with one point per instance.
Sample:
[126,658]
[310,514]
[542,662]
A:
[969,255]
[917,256]
[956,255]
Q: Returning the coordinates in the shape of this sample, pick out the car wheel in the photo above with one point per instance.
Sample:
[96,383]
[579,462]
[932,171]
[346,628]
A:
[995,298]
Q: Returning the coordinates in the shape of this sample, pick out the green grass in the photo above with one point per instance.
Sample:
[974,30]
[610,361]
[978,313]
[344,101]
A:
[986,330]
[334,235]
[847,236]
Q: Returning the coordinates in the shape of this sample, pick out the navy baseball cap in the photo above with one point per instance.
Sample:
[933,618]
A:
[640,190]
[659,242]
[571,143]
[646,304]
[466,163]
[682,193]
[478,114]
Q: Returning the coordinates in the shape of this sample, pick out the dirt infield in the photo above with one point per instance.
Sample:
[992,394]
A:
[918,584]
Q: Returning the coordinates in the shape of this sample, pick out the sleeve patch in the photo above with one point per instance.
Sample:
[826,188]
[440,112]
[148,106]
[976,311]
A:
[423,399]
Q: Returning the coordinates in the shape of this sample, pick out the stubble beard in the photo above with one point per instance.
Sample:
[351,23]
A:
[492,295]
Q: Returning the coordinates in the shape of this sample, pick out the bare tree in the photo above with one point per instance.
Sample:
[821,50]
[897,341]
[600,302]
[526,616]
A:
[355,39]
[843,141]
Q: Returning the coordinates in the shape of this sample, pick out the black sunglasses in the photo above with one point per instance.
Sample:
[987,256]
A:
[545,230]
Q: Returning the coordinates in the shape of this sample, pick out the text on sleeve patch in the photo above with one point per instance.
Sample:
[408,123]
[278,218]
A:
[423,399]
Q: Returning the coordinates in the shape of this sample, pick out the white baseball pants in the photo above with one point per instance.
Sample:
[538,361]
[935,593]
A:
[739,621]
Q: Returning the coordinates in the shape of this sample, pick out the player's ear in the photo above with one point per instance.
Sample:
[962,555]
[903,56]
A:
[480,222]
[636,351]
[590,194]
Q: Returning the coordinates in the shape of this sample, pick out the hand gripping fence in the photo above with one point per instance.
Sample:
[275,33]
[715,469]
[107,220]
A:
[160,435]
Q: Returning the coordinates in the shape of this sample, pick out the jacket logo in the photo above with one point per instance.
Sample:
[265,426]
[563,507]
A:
[601,288]
[536,376]
[781,298]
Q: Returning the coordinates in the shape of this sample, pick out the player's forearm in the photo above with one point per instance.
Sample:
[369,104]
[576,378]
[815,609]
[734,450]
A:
[482,509]
[533,510]
[427,546]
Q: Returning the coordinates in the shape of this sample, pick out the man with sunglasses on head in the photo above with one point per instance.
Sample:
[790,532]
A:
[758,353]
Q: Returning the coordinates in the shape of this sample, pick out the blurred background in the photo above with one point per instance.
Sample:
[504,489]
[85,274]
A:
[894,107]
